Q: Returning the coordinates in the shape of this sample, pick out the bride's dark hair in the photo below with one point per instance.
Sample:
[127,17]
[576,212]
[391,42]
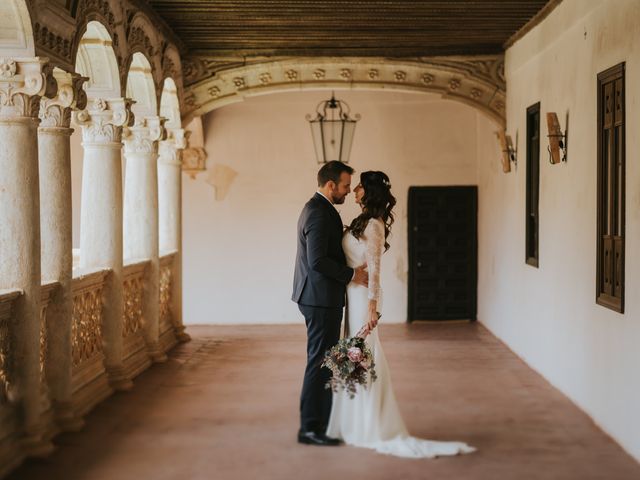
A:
[377,202]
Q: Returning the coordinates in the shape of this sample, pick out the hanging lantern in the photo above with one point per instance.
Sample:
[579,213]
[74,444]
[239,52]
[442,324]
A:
[332,130]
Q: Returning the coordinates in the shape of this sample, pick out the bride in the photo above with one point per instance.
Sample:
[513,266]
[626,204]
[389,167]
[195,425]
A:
[372,419]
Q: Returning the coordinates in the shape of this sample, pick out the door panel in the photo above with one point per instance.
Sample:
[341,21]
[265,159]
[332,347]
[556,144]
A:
[443,253]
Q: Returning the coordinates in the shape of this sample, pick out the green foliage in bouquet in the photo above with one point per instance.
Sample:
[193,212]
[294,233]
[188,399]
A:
[351,363]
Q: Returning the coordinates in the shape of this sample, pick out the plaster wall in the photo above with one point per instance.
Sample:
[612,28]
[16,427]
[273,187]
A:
[239,251]
[548,315]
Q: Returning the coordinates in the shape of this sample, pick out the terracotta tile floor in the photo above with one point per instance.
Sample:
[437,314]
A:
[225,407]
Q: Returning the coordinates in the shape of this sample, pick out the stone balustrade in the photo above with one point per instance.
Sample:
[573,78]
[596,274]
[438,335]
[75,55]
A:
[78,324]
[169,329]
[10,454]
[89,380]
[136,359]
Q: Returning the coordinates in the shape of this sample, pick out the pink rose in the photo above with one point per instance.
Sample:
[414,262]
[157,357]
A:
[355,354]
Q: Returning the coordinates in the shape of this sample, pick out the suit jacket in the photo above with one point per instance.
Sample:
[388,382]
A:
[321,274]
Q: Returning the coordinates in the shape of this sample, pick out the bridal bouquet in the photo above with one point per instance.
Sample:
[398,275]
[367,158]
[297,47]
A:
[351,363]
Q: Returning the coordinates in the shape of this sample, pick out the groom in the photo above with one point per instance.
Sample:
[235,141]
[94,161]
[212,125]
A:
[320,278]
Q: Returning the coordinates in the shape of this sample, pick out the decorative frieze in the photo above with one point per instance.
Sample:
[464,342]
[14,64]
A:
[400,76]
[22,82]
[103,119]
[346,74]
[265,78]
[56,111]
[292,75]
[53,43]
[427,79]
[466,79]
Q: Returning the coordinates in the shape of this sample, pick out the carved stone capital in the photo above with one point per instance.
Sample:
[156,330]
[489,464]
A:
[171,149]
[23,81]
[144,135]
[56,111]
[103,119]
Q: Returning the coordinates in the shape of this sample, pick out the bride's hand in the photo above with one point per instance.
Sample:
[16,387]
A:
[374,316]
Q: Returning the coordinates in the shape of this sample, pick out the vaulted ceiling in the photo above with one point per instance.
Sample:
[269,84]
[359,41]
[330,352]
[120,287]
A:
[383,28]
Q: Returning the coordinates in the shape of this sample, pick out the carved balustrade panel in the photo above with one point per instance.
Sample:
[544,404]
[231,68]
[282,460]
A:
[133,288]
[46,296]
[86,327]
[7,302]
[166,278]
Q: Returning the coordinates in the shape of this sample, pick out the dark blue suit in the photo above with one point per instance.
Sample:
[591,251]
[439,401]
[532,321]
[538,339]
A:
[319,283]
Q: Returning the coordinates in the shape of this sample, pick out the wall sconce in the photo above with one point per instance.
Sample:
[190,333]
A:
[509,153]
[557,139]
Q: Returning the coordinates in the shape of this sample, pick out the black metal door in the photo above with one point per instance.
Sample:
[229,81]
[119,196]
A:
[443,253]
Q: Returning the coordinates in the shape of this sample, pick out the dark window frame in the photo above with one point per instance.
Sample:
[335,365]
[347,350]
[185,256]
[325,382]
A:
[532,217]
[611,190]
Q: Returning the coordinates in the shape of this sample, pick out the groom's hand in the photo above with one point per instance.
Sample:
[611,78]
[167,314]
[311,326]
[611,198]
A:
[361,276]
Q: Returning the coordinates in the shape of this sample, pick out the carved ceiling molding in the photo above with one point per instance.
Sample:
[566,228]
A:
[475,81]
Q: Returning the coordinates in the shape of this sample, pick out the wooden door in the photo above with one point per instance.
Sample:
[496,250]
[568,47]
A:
[443,253]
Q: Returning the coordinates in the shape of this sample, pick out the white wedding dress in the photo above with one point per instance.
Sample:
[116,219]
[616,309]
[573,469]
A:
[372,418]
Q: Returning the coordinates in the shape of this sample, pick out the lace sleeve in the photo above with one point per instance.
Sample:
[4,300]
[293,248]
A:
[374,237]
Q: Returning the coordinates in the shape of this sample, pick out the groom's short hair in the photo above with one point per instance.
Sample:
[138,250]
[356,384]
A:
[332,171]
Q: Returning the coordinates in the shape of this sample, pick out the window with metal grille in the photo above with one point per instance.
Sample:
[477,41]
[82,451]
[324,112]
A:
[611,189]
[533,183]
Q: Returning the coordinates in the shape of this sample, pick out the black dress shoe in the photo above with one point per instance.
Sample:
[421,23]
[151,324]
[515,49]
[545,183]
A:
[313,438]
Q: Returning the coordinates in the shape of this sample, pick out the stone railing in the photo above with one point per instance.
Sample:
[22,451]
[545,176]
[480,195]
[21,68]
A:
[167,325]
[136,359]
[7,385]
[10,454]
[89,379]
[46,294]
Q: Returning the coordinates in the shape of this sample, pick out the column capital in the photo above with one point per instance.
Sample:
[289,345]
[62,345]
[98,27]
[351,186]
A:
[22,82]
[56,112]
[143,136]
[171,148]
[103,119]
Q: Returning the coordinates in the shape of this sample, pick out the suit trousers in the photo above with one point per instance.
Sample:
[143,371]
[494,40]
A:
[323,332]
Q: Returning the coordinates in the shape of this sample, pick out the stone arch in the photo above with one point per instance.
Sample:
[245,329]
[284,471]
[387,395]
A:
[476,81]
[108,13]
[169,104]
[141,86]
[172,68]
[17,38]
[142,37]
[96,59]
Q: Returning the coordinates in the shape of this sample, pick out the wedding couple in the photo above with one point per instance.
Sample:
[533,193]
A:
[328,262]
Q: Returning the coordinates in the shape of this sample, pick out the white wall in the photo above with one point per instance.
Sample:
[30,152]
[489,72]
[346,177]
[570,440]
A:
[548,315]
[239,252]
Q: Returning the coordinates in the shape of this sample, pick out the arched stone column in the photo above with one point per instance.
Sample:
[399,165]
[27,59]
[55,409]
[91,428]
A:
[22,82]
[141,218]
[101,217]
[55,226]
[170,210]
